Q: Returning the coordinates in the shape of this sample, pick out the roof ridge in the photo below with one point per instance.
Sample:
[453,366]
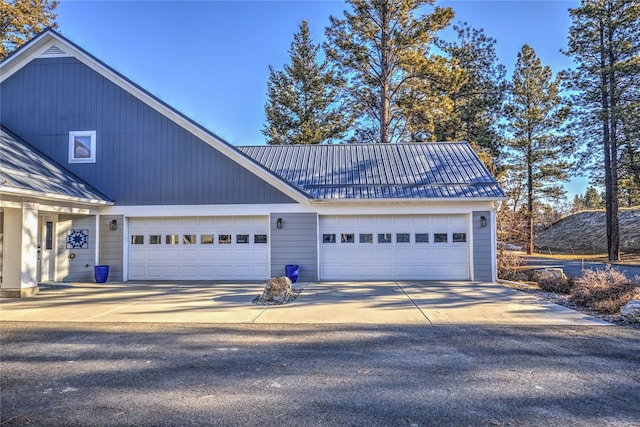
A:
[364,144]
[419,184]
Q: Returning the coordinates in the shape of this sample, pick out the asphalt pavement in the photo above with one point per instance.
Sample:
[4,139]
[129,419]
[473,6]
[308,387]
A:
[575,268]
[145,374]
[342,354]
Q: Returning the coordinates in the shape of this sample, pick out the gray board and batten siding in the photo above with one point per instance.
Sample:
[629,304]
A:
[296,243]
[111,243]
[142,157]
[482,242]
[80,266]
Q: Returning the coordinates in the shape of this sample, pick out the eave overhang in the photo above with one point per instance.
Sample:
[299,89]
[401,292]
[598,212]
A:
[30,194]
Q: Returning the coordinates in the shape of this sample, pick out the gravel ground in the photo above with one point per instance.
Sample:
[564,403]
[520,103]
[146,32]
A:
[81,374]
[563,300]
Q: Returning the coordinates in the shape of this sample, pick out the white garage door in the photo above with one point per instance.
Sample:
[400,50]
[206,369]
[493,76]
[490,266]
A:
[407,247]
[199,248]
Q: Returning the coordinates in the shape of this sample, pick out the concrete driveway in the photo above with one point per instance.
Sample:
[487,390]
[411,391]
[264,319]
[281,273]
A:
[388,303]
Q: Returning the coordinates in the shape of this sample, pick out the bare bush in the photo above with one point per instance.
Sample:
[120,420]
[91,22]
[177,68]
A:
[604,290]
[509,263]
[558,285]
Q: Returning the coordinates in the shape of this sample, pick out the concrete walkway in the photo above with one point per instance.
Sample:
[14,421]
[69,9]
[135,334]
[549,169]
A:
[388,303]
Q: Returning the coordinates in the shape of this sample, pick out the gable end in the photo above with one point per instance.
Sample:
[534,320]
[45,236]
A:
[142,157]
[33,49]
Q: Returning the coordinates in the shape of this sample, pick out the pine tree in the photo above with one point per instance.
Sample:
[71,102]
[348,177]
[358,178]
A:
[629,163]
[604,44]
[477,105]
[578,204]
[593,199]
[590,200]
[20,20]
[629,176]
[535,116]
[302,99]
[380,47]
[428,100]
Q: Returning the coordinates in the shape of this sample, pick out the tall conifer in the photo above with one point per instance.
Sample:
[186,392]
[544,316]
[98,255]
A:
[535,114]
[605,46]
[381,46]
[302,98]
[477,105]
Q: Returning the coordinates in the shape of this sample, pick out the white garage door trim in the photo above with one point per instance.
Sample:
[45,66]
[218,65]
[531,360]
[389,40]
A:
[198,248]
[392,247]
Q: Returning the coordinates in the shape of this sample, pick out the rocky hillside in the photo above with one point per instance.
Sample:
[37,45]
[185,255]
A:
[586,232]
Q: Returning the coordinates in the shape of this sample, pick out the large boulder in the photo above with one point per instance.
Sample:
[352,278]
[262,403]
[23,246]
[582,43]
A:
[631,311]
[277,290]
[548,274]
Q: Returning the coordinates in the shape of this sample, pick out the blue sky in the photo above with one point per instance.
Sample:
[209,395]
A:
[210,59]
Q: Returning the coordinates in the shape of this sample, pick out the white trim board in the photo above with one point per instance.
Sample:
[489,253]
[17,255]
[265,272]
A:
[388,208]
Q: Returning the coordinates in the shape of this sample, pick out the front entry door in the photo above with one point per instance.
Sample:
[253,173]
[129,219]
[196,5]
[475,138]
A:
[46,249]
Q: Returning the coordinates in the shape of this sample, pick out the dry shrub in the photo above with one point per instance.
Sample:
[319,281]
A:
[558,285]
[508,264]
[604,290]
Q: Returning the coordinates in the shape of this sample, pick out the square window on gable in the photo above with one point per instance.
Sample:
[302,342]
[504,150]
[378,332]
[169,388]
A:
[82,146]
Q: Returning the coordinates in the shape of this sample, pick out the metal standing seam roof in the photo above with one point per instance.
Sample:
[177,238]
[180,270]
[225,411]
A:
[380,171]
[23,167]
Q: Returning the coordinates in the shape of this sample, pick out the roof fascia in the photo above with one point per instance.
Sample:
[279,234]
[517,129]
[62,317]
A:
[36,46]
[54,197]
[24,54]
[406,200]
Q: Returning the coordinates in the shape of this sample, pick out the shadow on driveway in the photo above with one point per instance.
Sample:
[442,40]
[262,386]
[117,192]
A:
[415,302]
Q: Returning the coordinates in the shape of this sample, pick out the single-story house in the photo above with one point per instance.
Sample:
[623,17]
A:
[97,171]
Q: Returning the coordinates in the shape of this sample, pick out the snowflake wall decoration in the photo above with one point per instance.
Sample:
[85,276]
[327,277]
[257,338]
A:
[77,239]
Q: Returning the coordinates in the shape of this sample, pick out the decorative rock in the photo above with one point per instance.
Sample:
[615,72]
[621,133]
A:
[631,311]
[277,289]
[548,274]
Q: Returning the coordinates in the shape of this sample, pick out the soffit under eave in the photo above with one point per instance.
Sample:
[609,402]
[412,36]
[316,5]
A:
[16,198]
